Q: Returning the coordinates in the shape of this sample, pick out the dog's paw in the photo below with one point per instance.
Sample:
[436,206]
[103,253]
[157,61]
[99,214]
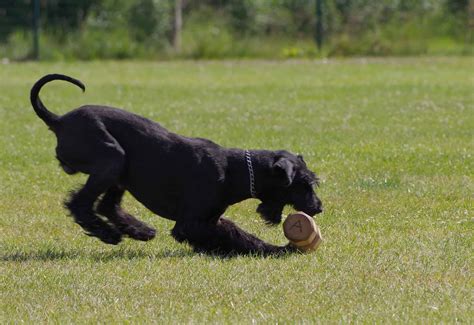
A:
[143,233]
[109,236]
[134,228]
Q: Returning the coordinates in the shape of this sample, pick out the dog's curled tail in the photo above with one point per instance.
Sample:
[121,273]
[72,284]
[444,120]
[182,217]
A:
[48,117]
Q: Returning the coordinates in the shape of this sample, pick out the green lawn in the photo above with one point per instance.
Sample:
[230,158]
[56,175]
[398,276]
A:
[392,140]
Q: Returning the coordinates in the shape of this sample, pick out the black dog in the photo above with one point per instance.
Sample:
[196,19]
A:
[189,180]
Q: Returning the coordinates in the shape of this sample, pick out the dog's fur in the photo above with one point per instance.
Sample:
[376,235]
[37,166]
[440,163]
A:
[189,180]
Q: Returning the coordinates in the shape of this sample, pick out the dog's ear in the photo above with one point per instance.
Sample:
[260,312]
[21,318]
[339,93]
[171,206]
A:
[301,159]
[284,169]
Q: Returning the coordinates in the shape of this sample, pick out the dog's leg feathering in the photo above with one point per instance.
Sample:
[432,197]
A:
[81,207]
[109,206]
[223,238]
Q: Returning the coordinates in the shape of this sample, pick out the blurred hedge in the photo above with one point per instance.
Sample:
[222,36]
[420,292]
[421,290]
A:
[87,29]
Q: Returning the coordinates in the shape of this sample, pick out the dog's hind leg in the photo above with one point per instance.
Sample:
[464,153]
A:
[81,207]
[223,238]
[103,159]
[109,206]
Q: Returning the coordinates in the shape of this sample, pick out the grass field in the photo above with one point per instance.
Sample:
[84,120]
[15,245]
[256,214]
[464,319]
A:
[392,140]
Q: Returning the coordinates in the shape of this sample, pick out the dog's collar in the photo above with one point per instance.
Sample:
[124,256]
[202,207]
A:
[248,158]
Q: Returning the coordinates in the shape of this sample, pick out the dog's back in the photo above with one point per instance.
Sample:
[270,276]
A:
[154,163]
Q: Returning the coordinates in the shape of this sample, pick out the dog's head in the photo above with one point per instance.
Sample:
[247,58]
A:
[288,182]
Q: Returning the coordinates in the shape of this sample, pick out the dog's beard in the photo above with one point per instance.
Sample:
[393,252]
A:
[270,212]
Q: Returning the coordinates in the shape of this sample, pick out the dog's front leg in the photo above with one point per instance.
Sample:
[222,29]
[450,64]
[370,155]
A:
[223,238]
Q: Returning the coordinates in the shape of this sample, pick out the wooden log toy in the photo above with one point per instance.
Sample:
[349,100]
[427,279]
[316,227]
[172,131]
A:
[302,232]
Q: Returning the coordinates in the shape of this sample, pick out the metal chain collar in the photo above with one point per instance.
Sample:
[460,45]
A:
[248,158]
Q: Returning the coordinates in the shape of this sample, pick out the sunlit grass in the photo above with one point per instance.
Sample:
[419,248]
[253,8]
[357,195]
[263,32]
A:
[390,138]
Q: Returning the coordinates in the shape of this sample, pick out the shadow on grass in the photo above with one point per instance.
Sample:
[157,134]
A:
[50,254]
[64,255]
